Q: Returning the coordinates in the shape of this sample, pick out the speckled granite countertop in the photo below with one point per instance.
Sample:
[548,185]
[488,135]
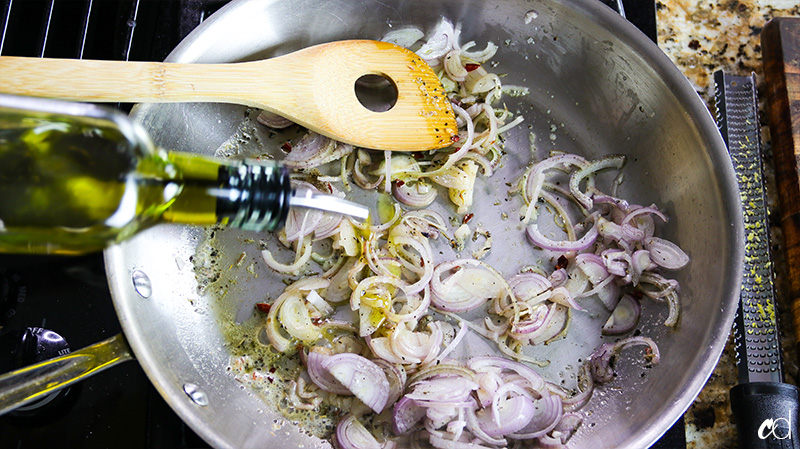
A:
[701,37]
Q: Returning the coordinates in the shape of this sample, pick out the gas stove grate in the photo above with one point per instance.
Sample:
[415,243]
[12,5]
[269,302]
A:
[68,29]
[123,30]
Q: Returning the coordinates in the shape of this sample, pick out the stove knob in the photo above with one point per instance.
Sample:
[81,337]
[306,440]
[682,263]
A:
[31,346]
[41,344]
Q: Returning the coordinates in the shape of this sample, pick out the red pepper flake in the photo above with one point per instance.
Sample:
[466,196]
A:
[455,138]
[470,67]
[467,218]
[287,147]
[417,155]
[263,307]
[272,370]
[399,183]
[561,262]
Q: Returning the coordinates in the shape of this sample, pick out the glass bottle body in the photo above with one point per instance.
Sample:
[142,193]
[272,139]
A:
[75,184]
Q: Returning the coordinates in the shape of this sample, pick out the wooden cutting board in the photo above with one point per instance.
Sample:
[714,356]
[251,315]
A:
[780,43]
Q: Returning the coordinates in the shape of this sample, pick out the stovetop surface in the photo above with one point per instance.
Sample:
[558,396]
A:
[118,407]
[114,408]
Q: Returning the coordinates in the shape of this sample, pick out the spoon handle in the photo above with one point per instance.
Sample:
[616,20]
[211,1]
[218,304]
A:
[130,82]
[316,87]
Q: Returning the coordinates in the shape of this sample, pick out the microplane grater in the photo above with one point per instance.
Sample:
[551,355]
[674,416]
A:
[755,326]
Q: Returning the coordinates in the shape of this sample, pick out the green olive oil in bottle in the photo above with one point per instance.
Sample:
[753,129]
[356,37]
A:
[75,178]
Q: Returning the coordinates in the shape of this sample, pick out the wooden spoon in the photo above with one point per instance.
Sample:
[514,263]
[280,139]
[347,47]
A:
[314,87]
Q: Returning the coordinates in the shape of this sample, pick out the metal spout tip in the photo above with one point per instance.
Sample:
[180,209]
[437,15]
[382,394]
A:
[313,200]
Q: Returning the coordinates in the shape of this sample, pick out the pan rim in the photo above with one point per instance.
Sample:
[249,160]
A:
[628,35]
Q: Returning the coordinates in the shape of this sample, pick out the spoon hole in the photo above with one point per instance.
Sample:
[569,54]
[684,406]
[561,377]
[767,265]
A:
[378,93]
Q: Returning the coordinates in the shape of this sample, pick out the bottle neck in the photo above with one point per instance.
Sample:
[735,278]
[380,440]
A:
[253,195]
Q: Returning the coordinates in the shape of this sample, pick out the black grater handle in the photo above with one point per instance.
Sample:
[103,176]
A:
[766,415]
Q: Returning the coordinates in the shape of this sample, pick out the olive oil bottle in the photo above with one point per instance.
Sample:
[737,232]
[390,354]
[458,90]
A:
[75,178]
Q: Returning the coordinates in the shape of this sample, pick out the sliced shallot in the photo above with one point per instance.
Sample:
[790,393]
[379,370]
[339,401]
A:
[320,376]
[362,377]
[351,434]
[624,318]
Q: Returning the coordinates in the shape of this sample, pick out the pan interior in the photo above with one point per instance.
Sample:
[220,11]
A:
[596,87]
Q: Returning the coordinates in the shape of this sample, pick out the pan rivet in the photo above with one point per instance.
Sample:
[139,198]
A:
[197,395]
[141,283]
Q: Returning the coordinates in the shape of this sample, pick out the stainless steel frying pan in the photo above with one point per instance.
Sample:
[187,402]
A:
[597,86]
